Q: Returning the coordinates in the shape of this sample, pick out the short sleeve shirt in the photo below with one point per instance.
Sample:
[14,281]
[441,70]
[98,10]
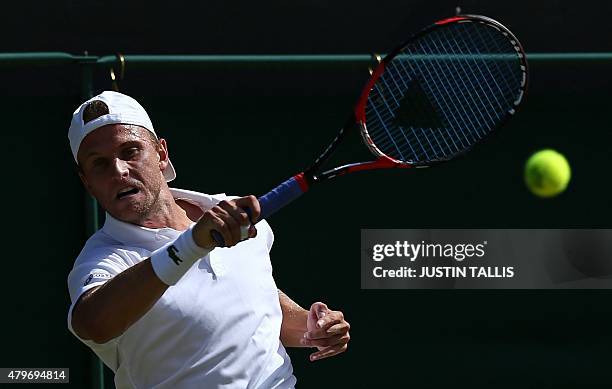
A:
[218,327]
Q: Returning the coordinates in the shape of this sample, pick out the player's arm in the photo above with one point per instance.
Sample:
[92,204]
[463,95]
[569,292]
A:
[105,312]
[293,326]
[319,327]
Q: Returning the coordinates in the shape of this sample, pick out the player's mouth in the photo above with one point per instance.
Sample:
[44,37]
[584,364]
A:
[127,192]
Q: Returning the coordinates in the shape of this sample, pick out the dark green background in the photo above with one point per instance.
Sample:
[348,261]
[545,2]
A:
[243,132]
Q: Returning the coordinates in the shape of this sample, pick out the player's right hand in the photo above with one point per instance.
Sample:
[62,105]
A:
[229,219]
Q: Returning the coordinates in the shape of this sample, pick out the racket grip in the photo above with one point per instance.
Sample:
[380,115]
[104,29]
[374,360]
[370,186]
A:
[244,230]
[273,201]
[282,195]
[218,238]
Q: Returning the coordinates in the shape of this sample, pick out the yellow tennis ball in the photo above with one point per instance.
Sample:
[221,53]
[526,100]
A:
[547,173]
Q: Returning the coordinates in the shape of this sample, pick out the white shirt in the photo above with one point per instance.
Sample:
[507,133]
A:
[218,327]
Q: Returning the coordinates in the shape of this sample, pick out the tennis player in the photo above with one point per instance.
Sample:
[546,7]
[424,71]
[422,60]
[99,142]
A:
[152,296]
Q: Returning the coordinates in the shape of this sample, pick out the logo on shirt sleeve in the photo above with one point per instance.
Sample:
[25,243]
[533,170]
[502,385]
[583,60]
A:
[97,277]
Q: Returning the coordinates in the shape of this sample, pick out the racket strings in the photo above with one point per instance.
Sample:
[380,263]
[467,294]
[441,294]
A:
[442,95]
[444,92]
[451,131]
[481,118]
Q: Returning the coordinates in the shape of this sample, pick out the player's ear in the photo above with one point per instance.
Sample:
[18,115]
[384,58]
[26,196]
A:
[85,182]
[162,152]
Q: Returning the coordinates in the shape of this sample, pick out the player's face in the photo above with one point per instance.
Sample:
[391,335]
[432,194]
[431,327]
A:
[123,169]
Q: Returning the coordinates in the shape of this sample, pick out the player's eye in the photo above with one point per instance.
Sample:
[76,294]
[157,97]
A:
[131,152]
[98,164]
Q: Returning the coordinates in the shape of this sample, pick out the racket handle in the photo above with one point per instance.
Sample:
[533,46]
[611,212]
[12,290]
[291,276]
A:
[244,230]
[218,238]
[273,201]
[282,195]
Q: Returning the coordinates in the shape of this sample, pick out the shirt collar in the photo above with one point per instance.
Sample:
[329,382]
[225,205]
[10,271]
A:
[128,233]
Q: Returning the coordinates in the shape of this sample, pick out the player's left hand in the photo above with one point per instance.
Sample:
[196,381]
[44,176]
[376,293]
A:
[327,331]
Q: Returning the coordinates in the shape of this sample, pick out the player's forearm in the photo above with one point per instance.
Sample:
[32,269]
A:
[294,321]
[111,309]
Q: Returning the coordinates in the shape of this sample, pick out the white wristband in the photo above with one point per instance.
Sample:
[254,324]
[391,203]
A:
[174,259]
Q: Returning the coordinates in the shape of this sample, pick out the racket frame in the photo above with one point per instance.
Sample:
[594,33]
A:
[360,115]
[358,122]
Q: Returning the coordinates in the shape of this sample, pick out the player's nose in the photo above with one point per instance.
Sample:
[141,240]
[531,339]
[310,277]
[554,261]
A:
[120,167]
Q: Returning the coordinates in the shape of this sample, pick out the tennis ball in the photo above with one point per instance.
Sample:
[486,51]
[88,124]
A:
[547,173]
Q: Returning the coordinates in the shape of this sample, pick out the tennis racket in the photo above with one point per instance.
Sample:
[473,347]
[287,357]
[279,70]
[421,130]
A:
[431,99]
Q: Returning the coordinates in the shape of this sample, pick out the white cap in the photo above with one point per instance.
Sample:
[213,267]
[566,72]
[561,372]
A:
[122,109]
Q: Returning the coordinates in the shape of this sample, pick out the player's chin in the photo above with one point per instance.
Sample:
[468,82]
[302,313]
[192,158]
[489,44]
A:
[126,209]
[125,214]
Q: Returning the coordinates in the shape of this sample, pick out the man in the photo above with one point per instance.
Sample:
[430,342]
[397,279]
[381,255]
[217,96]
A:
[152,296]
